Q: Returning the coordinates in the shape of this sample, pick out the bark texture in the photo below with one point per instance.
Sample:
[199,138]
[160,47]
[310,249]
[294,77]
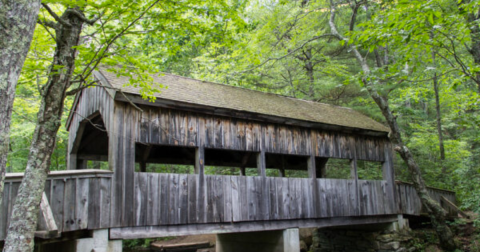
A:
[473,19]
[436,213]
[17,23]
[439,116]
[25,211]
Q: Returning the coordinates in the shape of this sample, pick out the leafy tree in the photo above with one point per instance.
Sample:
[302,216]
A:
[78,51]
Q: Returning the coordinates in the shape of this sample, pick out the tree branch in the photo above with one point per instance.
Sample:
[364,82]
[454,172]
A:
[288,54]
[82,16]
[333,28]
[47,23]
[55,16]
[88,70]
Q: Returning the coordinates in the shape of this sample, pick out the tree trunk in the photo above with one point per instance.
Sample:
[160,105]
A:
[439,116]
[439,120]
[23,220]
[17,23]
[475,46]
[434,210]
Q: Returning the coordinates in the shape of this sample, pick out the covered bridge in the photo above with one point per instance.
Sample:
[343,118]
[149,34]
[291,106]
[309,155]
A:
[265,140]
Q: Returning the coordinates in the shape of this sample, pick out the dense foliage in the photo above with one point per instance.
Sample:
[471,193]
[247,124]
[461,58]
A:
[286,47]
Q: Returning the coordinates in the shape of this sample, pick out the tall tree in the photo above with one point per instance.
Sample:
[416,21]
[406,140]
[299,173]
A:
[111,20]
[436,213]
[17,23]
[438,113]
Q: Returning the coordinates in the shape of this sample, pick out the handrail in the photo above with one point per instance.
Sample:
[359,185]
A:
[65,174]
[429,187]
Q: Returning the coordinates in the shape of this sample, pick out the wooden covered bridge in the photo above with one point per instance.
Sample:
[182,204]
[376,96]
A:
[118,142]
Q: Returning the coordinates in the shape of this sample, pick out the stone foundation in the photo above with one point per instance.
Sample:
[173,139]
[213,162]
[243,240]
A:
[287,240]
[359,240]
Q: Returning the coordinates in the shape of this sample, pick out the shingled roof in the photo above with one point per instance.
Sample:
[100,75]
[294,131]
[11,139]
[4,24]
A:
[216,95]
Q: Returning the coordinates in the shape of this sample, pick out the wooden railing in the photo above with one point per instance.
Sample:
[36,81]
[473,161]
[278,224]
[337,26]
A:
[79,199]
[171,199]
[409,202]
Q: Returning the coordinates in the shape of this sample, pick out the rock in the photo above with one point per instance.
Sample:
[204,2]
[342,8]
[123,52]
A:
[385,238]
[303,246]
[390,245]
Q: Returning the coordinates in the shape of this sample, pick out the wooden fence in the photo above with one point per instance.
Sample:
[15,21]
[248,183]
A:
[80,199]
[409,202]
[170,199]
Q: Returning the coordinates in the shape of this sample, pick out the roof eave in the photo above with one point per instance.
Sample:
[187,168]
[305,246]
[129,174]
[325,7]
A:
[104,83]
[166,103]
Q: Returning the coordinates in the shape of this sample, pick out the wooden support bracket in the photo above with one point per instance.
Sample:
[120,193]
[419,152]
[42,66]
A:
[52,229]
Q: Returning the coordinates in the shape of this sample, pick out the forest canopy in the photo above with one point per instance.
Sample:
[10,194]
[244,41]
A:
[423,57]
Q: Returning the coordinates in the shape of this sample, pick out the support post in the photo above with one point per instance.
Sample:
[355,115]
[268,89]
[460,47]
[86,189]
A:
[261,166]
[282,167]
[200,160]
[82,163]
[389,176]
[242,171]
[321,167]
[145,155]
[98,242]
[201,188]
[312,173]
[354,174]
[244,163]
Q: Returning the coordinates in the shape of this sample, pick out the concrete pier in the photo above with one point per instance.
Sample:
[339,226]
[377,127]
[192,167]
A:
[99,242]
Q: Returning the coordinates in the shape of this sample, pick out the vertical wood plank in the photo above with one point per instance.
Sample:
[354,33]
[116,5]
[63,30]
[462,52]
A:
[227,196]
[56,201]
[69,202]
[81,206]
[173,199]
[192,199]
[105,202]
[183,199]
[218,201]
[236,199]
[165,198]
[93,204]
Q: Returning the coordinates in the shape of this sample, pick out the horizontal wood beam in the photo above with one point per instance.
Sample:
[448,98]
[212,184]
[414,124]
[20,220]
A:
[454,207]
[250,226]
[87,173]
[92,157]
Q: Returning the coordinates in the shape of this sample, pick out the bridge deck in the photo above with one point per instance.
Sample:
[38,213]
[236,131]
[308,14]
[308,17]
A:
[80,199]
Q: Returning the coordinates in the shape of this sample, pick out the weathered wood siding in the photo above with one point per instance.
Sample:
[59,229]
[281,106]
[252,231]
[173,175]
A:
[90,101]
[121,159]
[78,201]
[83,201]
[173,127]
[409,202]
[170,199]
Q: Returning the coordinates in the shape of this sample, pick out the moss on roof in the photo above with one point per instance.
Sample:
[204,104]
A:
[241,99]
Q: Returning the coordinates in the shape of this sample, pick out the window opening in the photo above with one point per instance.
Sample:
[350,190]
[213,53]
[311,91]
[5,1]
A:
[289,166]
[369,170]
[164,158]
[338,168]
